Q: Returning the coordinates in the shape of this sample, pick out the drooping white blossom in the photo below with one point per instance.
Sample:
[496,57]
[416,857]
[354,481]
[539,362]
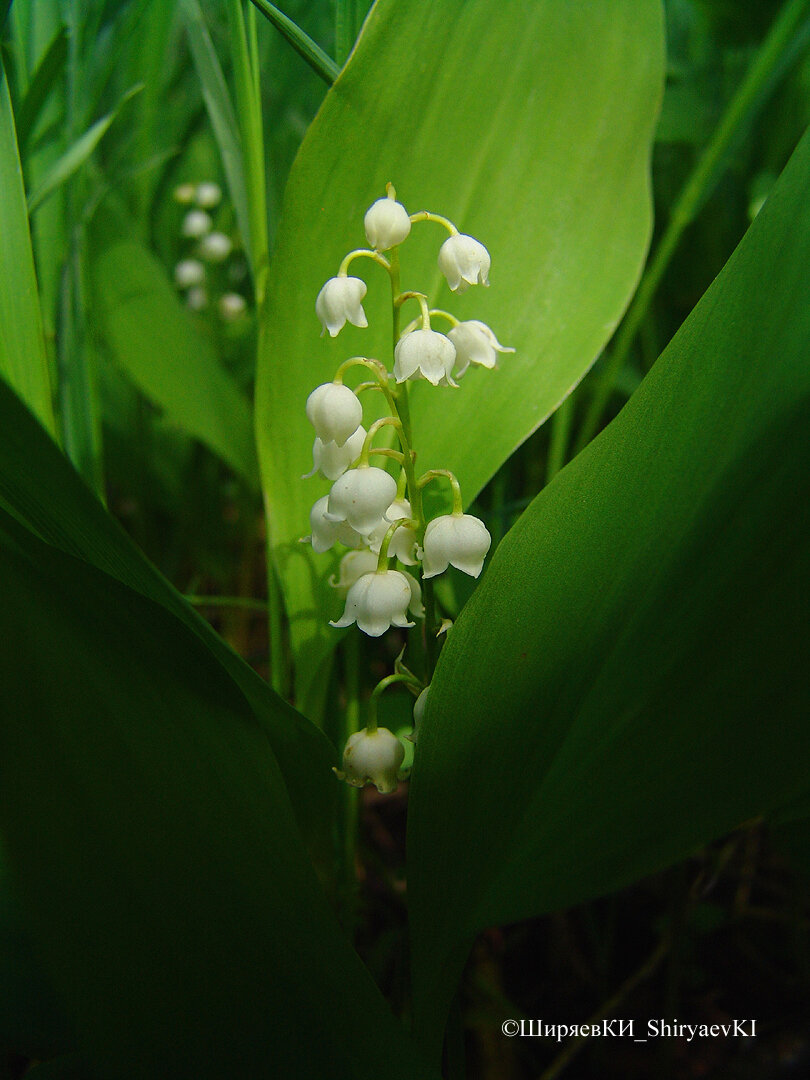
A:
[196,223]
[188,272]
[208,194]
[376,602]
[425,354]
[361,497]
[475,344]
[341,301]
[232,306]
[459,540]
[352,567]
[403,542]
[332,460]
[464,261]
[334,411]
[387,224]
[326,533]
[215,247]
[372,757]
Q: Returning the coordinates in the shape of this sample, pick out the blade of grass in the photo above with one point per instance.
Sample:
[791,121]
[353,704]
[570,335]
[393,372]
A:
[748,98]
[76,155]
[48,71]
[221,112]
[23,360]
[320,62]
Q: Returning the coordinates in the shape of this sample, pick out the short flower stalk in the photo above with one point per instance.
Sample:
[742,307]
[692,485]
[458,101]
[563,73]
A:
[376,511]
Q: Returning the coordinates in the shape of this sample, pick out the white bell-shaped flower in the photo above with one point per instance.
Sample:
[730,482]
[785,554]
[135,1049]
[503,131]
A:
[352,567]
[464,261]
[403,542]
[425,354]
[331,460]
[372,757]
[334,411]
[387,224]
[188,272]
[197,298]
[196,223]
[326,533]
[215,247]
[339,302]
[361,497]
[459,540]
[376,602]
[232,306]
[208,194]
[475,344]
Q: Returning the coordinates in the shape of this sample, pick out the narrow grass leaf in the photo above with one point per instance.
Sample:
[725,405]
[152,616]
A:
[309,50]
[42,83]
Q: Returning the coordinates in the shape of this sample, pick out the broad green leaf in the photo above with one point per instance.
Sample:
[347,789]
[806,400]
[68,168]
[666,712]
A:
[629,680]
[23,362]
[39,486]
[152,337]
[530,126]
[158,860]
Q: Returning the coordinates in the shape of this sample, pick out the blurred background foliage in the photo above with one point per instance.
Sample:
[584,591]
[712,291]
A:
[736,915]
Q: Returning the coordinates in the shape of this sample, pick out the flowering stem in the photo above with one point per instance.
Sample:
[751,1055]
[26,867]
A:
[439,314]
[400,300]
[425,215]
[362,253]
[382,560]
[383,684]
[386,421]
[434,474]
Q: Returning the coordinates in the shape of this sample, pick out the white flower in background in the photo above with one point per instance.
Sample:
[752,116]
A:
[376,602]
[197,298]
[352,567]
[184,194]
[372,757]
[425,354]
[208,194]
[325,533]
[475,344]
[331,460]
[196,223]
[232,306]
[361,497]
[387,224]
[334,411]
[341,301]
[464,262]
[459,540]
[216,247]
[418,714]
[403,542]
[188,272]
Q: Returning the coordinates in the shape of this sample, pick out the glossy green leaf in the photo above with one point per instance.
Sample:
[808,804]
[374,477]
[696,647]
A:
[152,337]
[158,860]
[23,362]
[530,126]
[41,488]
[629,680]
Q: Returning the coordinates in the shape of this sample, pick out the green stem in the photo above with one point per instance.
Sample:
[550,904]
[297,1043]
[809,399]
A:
[560,434]
[739,110]
[351,795]
[246,602]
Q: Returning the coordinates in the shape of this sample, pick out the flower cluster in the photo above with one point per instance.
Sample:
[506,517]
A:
[210,250]
[377,512]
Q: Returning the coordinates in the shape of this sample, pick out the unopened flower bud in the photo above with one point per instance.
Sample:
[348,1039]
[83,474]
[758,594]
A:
[216,247]
[208,194]
[339,302]
[376,602]
[331,460]
[403,542]
[361,497]
[325,533]
[373,757]
[334,411]
[475,344]
[196,223]
[464,262]
[425,354]
[459,540]
[188,272]
[231,306]
[387,224]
